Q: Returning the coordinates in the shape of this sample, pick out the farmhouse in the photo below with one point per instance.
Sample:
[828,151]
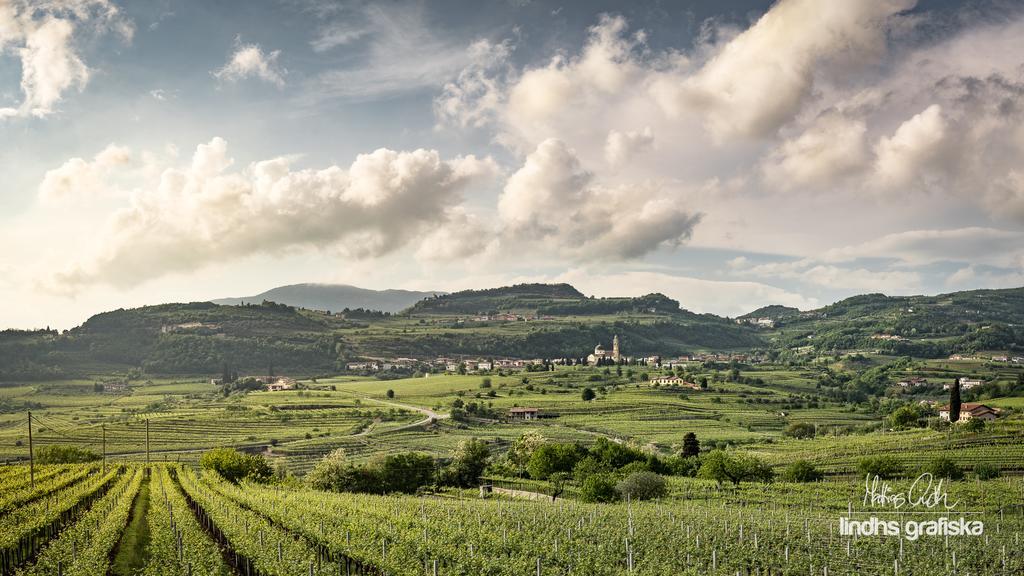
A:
[281,384]
[913,382]
[970,410]
[518,413]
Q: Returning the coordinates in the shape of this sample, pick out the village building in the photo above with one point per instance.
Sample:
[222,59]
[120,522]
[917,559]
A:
[970,410]
[280,384]
[519,413]
[602,355]
[912,382]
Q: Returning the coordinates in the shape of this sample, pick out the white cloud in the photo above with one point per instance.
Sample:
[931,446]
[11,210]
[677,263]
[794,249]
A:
[475,96]
[829,276]
[83,180]
[399,53]
[913,151]
[759,80]
[832,147]
[337,34]
[920,247]
[552,201]
[205,213]
[44,37]
[620,147]
[250,61]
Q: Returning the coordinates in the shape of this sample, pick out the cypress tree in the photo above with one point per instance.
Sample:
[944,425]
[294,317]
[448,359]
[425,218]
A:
[954,401]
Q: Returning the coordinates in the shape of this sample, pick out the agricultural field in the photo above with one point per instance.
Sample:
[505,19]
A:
[168,519]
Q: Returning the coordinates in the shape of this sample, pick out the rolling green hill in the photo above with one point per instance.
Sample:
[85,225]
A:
[551,321]
[334,297]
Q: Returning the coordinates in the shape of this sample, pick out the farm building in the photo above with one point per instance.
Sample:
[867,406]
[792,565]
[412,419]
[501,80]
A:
[970,410]
[518,413]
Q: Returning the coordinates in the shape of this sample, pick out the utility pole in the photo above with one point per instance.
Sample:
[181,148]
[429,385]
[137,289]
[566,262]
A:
[31,456]
[147,441]
[104,428]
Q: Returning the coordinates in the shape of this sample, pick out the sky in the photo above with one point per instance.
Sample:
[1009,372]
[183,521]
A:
[729,154]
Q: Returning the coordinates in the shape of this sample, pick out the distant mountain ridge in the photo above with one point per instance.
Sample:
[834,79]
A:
[335,297]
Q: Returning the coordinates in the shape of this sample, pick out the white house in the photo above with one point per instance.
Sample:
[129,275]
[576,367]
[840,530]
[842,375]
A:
[970,410]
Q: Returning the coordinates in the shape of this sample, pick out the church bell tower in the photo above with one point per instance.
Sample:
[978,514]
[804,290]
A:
[615,348]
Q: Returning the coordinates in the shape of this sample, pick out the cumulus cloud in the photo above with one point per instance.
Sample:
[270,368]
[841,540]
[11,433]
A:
[832,147]
[760,79]
[79,179]
[554,201]
[206,212]
[44,36]
[913,151]
[921,247]
[620,147]
[475,96]
[250,61]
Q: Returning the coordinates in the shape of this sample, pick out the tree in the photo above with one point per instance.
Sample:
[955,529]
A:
[691,446]
[233,465]
[801,471]
[403,472]
[599,488]
[469,459]
[485,383]
[799,430]
[522,449]
[884,466]
[721,466]
[954,401]
[944,467]
[904,417]
[391,393]
[551,458]
[974,425]
[588,394]
[642,485]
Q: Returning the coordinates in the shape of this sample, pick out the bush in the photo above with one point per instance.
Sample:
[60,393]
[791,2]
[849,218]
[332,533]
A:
[404,472]
[974,425]
[599,488]
[904,417]
[985,471]
[642,486]
[884,466]
[485,383]
[233,465]
[469,459]
[801,471]
[550,458]
[799,430]
[684,465]
[943,467]
[64,455]
[722,466]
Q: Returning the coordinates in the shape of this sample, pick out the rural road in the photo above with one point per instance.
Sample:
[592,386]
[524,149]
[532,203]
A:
[428,414]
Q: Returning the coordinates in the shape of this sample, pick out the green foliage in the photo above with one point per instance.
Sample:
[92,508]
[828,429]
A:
[722,466]
[588,394]
[944,467]
[973,425]
[598,488]
[884,466]
[905,417]
[691,446]
[800,430]
[642,485]
[233,465]
[469,460]
[801,471]
[554,457]
[58,454]
[986,471]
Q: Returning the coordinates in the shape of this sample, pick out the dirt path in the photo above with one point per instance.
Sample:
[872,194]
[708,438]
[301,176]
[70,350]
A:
[428,414]
[130,553]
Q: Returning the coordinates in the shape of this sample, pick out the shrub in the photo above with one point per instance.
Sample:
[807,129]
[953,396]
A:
[550,458]
[904,417]
[599,488]
[985,471]
[684,465]
[721,466]
[642,486]
[799,430]
[588,394]
[801,471]
[233,465]
[64,455]
[884,466]
[974,425]
[469,459]
[943,467]
[485,383]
